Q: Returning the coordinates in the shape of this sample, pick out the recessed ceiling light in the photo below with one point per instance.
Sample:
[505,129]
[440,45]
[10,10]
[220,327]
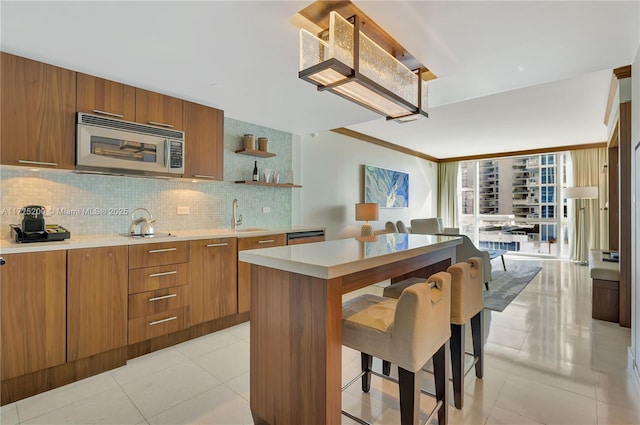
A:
[520,68]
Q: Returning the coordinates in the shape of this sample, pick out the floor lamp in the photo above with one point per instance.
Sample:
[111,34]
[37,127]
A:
[582,192]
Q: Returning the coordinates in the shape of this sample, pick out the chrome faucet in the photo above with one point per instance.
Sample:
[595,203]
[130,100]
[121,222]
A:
[235,219]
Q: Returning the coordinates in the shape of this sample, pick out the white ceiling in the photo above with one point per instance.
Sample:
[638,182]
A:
[512,75]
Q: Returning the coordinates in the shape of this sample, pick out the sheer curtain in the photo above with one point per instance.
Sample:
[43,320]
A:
[448,193]
[587,166]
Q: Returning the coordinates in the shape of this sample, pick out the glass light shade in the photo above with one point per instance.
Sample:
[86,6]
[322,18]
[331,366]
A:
[362,94]
[312,50]
[381,83]
[366,212]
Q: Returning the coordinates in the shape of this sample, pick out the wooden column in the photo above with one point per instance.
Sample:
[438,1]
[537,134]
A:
[614,210]
[625,158]
[620,189]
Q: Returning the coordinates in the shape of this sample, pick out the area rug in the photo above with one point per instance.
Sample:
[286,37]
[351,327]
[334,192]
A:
[505,286]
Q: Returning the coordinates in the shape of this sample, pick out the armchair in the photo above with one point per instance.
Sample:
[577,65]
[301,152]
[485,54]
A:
[433,226]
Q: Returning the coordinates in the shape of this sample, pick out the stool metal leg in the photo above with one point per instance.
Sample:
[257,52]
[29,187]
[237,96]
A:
[477,333]
[366,362]
[457,364]
[441,378]
[409,396]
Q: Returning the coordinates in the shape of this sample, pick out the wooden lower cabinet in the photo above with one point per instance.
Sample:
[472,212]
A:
[158,324]
[159,289]
[97,300]
[33,314]
[158,277]
[244,269]
[159,312]
[213,279]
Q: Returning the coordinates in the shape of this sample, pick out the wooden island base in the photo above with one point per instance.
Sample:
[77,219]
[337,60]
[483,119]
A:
[296,338]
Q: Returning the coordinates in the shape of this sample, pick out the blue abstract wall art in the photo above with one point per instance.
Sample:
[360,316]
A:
[387,188]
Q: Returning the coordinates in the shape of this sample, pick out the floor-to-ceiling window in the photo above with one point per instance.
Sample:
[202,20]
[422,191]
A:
[514,203]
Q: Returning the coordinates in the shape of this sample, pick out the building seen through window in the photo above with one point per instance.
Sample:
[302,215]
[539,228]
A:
[513,203]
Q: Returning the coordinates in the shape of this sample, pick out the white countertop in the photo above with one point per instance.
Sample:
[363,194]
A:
[330,259]
[96,241]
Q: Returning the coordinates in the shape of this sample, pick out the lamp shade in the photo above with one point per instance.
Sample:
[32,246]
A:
[366,212]
[581,192]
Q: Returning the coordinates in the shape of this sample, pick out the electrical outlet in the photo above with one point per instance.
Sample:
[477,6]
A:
[266,209]
[183,210]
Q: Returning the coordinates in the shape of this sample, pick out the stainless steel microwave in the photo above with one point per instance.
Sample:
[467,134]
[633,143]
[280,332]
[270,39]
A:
[117,146]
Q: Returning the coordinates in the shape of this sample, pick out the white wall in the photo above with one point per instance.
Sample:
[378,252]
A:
[332,178]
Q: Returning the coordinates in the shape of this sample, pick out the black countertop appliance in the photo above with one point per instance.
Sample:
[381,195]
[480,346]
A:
[34,229]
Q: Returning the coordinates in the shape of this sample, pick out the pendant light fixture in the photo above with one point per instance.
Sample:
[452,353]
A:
[346,62]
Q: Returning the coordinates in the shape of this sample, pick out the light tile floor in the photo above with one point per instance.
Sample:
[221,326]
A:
[547,362]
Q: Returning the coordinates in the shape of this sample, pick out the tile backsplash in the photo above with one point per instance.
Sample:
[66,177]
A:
[95,204]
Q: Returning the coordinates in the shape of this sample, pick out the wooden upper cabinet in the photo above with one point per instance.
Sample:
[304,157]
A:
[99,96]
[96,301]
[33,312]
[158,109]
[38,114]
[204,141]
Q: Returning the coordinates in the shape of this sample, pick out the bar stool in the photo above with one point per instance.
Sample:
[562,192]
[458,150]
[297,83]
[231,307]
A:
[408,332]
[466,304]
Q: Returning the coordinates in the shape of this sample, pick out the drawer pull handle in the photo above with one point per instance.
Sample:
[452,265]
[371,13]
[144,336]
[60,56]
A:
[210,245]
[168,319]
[161,124]
[111,114]
[24,161]
[267,241]
[203,176]
[164,297]
[153,251]
[163,273]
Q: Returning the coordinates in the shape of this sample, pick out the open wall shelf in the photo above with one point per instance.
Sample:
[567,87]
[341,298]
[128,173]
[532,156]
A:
[253,152]
[249,182]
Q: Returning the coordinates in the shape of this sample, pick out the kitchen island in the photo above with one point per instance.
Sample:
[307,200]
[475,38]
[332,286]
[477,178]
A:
[296,313]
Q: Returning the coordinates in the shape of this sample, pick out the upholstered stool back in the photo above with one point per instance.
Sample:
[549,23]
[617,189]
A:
[407,331]
[466,290]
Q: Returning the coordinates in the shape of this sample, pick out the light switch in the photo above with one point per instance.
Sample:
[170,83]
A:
[183,210]
[266,209]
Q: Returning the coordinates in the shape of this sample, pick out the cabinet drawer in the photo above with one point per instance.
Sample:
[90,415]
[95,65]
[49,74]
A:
[158,277]
[162,300]
[261,242]
[157,254]
[154,325]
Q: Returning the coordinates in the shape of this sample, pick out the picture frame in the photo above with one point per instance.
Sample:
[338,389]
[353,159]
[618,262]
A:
[388,188]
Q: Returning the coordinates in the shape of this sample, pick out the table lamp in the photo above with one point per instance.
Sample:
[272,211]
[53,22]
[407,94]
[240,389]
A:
[366,212]
[582,192]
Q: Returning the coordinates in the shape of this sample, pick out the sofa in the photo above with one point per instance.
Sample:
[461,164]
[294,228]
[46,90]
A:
[433,226]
